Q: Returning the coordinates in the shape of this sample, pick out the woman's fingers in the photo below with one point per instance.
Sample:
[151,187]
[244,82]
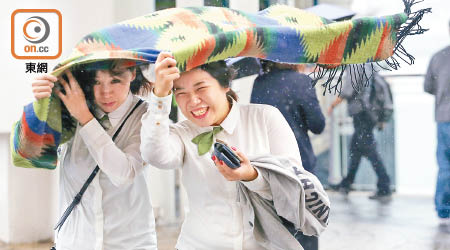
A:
[173,77]
[168,63]
[72,81]
[42,86]
[168,70]
[64,84]
[39,83]
[46,77]
[168,73]
[42,89]
[61,96]
[41,95]
[245,172]
[224,170]
[240,155]
[163,55]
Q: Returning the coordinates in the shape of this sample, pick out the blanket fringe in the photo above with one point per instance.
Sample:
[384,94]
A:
[358,72]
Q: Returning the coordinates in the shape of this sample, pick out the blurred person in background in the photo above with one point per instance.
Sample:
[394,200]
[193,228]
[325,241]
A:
[363,140]
[286,88]
[437,83]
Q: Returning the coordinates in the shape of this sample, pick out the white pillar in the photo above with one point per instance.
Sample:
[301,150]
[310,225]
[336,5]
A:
[189,3]
[251,6]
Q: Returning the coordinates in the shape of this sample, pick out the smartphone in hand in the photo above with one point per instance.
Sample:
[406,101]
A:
[225,154]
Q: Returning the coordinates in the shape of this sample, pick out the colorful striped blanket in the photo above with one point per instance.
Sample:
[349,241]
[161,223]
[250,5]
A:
[200,35]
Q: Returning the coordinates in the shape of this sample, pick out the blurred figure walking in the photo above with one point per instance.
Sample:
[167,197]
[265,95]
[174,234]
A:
[437,83]
[363,143]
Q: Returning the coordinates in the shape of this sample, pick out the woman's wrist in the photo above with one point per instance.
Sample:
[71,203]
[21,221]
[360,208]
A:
[253,175]
[161,93]
[86,118]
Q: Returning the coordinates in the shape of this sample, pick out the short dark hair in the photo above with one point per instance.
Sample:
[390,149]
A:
[223,74]
[85,75]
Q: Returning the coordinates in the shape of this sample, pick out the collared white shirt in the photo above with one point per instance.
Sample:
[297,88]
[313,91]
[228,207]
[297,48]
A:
[115,211]
[215,219]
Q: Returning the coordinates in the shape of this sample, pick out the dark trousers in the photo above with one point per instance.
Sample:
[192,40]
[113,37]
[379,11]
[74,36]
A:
[307,242]
[442,196]
[363,144]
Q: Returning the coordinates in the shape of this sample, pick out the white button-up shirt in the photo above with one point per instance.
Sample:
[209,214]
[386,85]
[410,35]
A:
[115,211]
[215,219]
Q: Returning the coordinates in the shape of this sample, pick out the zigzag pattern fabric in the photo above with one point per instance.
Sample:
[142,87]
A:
[200,35]
[281,33]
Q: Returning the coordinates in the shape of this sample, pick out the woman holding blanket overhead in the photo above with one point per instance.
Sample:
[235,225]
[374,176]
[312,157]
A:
[249,207]
[115,212]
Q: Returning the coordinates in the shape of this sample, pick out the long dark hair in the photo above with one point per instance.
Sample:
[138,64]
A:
[223,74]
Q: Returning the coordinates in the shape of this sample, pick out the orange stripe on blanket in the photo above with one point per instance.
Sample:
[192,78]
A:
[252,48]
[385,42]
[205,50]
[335,51]
[31,136]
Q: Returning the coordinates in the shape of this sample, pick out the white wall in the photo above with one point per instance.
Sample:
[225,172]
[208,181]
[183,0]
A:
[251,6]
[415,137]
[189,3]
[77,22]
[29,196]
[4,196]
[124,10]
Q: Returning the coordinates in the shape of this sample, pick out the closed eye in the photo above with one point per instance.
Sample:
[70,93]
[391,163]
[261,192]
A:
[202,88]
[180,94]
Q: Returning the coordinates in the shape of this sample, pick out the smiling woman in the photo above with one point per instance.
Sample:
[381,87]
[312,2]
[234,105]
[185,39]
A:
[230,207]
[204,94]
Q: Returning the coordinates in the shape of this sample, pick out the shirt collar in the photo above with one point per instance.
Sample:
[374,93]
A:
[232,118]
[119,112]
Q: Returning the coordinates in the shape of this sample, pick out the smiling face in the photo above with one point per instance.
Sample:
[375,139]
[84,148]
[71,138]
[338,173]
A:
[111,87]
[201,98]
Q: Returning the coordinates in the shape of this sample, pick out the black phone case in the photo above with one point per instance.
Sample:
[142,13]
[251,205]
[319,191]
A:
[224,153]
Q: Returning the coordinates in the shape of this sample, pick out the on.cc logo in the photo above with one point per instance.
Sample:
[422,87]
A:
[36,29]
[36,34]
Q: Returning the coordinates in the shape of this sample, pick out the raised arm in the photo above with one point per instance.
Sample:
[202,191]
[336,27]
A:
[160,145]
[123,164]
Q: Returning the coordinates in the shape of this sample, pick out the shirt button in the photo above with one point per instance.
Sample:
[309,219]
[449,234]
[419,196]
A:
[251,224]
